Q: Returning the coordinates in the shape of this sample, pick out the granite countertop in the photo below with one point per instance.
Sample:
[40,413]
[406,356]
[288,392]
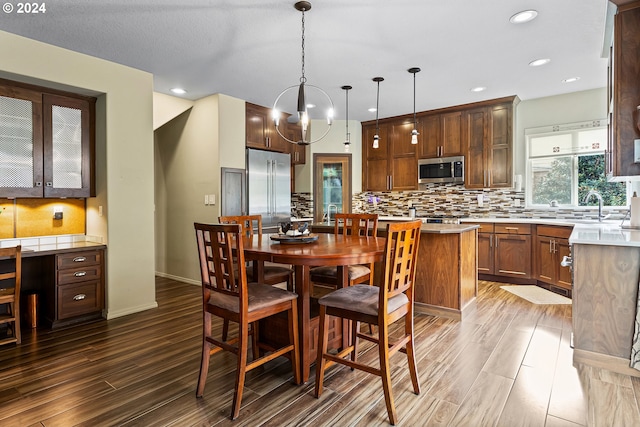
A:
[604,234]
[544,221]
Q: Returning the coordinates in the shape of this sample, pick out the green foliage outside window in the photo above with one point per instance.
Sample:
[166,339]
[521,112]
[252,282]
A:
[591,176]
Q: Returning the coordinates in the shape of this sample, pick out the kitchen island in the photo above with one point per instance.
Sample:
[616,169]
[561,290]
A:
[446,275]
[606,266]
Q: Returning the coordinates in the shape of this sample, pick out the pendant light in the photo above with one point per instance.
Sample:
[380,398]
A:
[303,104]
[414,132]
[347,139]
[376,137]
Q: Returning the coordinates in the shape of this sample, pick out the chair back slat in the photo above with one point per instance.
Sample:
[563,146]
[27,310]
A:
[221,251]
[400,256]
[251,224]
[13,275]
[356,224]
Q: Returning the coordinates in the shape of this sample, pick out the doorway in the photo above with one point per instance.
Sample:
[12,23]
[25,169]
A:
[331,185]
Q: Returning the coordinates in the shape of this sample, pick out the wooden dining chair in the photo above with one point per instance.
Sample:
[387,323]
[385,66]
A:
[381,305]
[10,279]
[273,274]
[348,224]
[226,294]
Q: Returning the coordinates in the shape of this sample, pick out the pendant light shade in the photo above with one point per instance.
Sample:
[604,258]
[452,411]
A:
[376,137]
[303,102]
[414,132]
[347,139]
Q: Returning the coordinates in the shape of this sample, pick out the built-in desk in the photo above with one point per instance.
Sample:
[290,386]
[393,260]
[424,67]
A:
[68,278]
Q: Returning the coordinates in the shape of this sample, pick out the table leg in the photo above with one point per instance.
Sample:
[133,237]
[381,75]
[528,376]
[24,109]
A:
[304,317]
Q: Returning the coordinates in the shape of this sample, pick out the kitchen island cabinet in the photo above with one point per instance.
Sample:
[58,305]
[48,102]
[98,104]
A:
[446,274]
[606,264]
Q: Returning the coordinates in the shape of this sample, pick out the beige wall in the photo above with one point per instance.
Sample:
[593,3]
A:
[332,143]
[189,152]
[124,170]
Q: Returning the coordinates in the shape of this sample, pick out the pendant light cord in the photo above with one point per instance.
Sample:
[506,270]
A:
[303,79]
[377,106]
[414,100]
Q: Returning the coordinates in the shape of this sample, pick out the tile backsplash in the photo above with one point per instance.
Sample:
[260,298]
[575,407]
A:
[451,200]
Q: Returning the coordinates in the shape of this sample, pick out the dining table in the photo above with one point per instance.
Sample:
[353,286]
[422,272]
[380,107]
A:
[321,249]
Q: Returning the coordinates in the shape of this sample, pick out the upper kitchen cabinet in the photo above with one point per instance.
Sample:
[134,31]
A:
[46,142]
[488,134]
[624,93]
[393,165]
[261,132]
[441,135]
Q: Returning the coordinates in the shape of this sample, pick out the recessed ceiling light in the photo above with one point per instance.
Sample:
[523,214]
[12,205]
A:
[372,110]
[311,105]
[571,80]
[539,62]
[178,91]
[524,16]
[478,89]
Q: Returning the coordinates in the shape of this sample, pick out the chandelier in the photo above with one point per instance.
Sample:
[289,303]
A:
[303,104]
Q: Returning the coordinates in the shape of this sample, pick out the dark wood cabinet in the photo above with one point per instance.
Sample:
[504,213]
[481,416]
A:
[260,129]
[79,286]
[53,142]
[393,165]
[624,93]
[488,133]
[441,135]
[552,244]
[485,249]
[512,254]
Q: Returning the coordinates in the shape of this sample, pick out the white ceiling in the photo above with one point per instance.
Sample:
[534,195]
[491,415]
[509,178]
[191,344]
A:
[250,49]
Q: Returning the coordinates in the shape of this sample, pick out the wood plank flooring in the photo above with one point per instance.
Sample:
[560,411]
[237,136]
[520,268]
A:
[508,364]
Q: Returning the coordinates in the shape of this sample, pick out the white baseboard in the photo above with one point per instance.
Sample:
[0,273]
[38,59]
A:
[113,314]
[179,279]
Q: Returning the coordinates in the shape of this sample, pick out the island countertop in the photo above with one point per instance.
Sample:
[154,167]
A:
[605,235]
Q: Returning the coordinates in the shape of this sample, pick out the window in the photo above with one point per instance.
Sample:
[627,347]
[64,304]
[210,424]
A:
[566,162]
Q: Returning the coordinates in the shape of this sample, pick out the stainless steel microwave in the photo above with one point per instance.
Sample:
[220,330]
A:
[441,169]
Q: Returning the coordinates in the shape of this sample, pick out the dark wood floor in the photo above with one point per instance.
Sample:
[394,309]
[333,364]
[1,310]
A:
[508,364]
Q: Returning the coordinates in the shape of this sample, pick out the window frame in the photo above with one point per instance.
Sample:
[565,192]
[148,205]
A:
[568,128]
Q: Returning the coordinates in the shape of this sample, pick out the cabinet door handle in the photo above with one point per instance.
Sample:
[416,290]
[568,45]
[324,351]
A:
[80,273]
[79,259]
[491,241]
[79,297]
[390,182]
[511,228]
[550,246]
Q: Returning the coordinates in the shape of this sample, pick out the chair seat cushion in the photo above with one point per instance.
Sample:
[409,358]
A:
[330,273]
[361,299]
[260,296]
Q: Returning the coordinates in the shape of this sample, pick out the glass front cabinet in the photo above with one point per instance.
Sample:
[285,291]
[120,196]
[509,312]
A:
[46,143]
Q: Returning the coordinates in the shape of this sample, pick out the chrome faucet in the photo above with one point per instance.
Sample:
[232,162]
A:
[329,212]
[597,196]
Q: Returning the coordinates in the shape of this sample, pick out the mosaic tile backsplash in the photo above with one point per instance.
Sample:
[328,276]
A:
[451,200]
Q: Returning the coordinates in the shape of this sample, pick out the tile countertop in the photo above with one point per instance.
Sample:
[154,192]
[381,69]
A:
[46,245]
[604,234]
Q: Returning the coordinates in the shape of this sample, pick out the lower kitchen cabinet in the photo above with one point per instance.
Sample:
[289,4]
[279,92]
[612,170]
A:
[512,252]
[485,248]
[552,244]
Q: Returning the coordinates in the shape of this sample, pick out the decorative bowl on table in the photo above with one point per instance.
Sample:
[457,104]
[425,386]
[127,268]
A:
[294,233]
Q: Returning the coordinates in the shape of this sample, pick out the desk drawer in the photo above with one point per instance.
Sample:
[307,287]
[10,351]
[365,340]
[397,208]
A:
[78,259]
[81,273]
[78,299]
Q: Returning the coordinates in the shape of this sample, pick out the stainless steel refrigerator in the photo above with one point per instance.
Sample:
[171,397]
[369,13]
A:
[269,187]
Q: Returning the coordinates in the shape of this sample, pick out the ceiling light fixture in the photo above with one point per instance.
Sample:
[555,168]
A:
[302,105]
[376,137]
[178,91]
[414,132]
[539,62]
[478,89]
[524,16]
[347,139]
[571,80]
